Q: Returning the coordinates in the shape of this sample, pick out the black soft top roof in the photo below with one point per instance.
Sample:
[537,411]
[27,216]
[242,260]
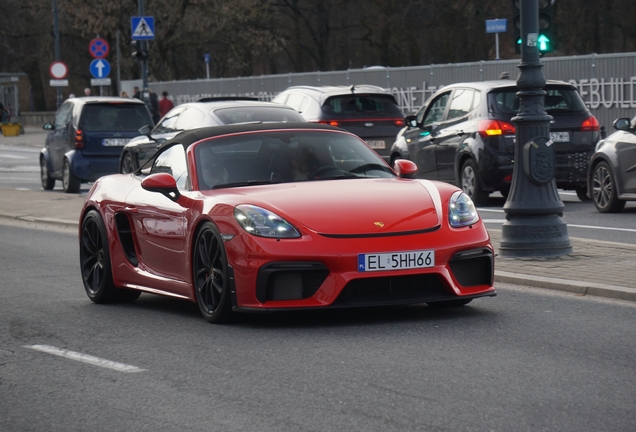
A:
[194,135]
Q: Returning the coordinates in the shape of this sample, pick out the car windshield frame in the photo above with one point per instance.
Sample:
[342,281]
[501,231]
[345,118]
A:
[284,156]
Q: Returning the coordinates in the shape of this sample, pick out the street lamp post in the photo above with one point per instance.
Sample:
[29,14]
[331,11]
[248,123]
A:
[533,227]
[145,94]
[56,32]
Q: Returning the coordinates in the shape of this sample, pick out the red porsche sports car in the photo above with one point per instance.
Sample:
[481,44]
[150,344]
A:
[281,216]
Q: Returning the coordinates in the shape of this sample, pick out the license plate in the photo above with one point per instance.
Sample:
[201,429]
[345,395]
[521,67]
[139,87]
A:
[396,260]
[560,136]
[376,144]
[115,142]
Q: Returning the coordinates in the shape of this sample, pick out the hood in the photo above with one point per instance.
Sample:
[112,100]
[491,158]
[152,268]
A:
[353,207]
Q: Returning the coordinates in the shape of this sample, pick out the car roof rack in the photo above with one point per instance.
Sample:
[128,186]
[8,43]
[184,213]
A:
[227,98]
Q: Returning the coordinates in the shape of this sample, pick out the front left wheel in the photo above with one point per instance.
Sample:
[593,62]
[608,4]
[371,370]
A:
[604,193]
[95,263]
[48,182]
[211,275]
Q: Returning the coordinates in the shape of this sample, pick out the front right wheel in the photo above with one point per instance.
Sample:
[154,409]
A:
[48,182]
[604,193]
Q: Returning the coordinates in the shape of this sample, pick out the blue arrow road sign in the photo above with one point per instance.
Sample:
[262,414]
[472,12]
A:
[496,26]
[100,68]
[143,27]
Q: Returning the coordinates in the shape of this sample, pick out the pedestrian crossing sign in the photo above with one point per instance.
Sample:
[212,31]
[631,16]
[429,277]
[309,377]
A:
[143,27]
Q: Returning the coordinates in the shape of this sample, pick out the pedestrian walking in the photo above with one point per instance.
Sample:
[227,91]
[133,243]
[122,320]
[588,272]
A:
[165,104]
[87,91]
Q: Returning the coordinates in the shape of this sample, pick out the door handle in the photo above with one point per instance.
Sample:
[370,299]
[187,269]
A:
[131,209]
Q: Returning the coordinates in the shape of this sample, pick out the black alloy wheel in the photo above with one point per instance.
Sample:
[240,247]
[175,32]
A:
[95,263]
[48,182]
[128,163]
[604,192]
[211,276]
[70,183]
[470,183]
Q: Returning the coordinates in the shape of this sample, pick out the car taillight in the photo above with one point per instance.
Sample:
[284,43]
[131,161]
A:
[329,122]
[495,127]
[590,125]
[79,139]
[399,123]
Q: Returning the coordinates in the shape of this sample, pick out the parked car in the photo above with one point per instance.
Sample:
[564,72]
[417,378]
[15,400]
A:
[86,139]
[203,113]
[266,217]
[463,135]
[368,111]
[612,179]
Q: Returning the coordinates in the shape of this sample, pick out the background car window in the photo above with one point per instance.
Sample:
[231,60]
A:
[167,123]
[557,99]
[461,103]
[245,114]
[435,112]
[116,117]
[173,162]
[191,118]
[362,104]
[63,116]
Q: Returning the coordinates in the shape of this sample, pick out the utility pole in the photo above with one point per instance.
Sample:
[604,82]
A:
[534,226]
[145,93]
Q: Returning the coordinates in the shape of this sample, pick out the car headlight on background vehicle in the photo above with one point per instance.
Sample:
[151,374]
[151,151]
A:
[263,223]
[461,210]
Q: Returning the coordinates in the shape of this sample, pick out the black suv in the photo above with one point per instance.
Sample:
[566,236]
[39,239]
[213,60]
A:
[463,135]
[86,138]
[368,111]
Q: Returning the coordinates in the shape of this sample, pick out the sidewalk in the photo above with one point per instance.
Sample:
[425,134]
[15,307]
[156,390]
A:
[595,267]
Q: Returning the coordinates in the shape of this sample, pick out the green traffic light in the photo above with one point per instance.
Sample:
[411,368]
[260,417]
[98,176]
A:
[544,43]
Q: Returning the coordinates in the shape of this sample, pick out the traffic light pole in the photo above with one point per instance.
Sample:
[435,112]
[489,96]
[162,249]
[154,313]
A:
[534,226]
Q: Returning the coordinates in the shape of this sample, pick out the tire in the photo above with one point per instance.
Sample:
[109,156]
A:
[128,163]
[48,183]
[470,184]
[449,303]
[95,265]
[211,275]
[604,192]
[581,193]
[70,183]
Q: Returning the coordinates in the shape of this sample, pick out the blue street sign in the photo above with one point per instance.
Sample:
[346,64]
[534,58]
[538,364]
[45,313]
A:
[206,58]
[100,68]
[497,26]
[143,27]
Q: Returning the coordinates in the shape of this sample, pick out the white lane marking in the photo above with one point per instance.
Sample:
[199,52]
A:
[500,221]
[121,367]
[10,156]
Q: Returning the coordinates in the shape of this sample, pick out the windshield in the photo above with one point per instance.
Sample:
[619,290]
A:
[114,117]
[280,157]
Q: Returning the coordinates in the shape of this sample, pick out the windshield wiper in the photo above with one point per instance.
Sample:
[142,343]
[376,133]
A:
[244,183]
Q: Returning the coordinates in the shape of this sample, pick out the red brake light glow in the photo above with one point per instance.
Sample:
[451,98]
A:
[79,139]
[495,127]
[400,123]
[589,125]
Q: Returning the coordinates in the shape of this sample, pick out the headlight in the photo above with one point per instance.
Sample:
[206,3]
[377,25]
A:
[263,223]
[461,210]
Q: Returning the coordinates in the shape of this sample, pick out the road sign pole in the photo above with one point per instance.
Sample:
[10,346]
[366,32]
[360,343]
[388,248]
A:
[145,94]
[56,30]
[497,45]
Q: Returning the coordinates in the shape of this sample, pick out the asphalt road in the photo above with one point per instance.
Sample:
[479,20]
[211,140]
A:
[526,360]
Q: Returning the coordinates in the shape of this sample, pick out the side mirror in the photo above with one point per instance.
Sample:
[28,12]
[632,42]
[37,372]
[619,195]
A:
[48,126]
[623,124]
[411,121]
[163,183]
[145,130]
[405,168]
